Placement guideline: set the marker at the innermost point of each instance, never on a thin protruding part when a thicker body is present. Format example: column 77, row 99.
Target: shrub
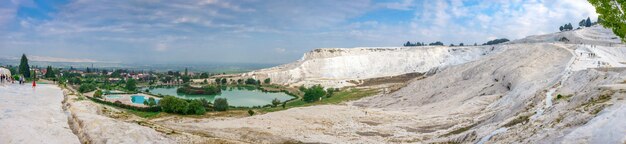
column 251, row 81
column 250, row 112
column 275, row 102
column 151, row 102
column 87, row 87
column 329, row 92
column 314, row 93
column 98, row 94
column 172, row 104
column 196, row 107
column 205, row 103
column 496, row 41
column 220, row 104
column 131, row 85
column 267, row 81
column 206, row 90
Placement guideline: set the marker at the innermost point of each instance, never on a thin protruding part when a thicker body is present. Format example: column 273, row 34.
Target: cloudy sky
column 262, row 31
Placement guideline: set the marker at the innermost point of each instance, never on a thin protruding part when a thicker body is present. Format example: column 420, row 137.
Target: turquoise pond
column 236, row 96
column 139, row 99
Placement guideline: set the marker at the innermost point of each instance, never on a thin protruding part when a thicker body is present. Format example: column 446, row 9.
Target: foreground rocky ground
column 33, row 115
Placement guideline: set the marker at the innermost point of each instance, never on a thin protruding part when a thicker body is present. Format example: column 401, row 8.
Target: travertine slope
column 334, row 67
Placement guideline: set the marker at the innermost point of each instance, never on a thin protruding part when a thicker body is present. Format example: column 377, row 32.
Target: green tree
column 329, row 92
column 588, row 22
column 275, row 102
column 24, row 68
column 251, row 81
column 86, row 87
column 131, row 85
column 267, row 81
column 98, row 94
column 151, row 102
column 612, row 13
column 220, row 104
column 250, row 112
column 217, row 80
column 224, row 80
column 49, row 72
column 172, row 104
column 186, row 79
column 561, row 28
column 581, row 23
column 204, row 75
column 314, row 93
column 196, row 107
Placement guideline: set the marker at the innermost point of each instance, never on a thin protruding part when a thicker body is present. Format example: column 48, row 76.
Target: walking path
column 33, row 115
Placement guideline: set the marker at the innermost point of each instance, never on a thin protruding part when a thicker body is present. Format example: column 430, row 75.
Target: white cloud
column 160, row 47
column 402, row 5
column 266, row 27
column 280, row 50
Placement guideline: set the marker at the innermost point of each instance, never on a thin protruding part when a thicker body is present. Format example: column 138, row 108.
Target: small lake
column 139, row 99
column 237, row 96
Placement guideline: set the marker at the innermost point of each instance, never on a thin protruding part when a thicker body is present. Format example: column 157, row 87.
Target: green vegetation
column 220, row 104
column 150, row 102
column 131, row 85
column 143, row 113
column 87, row 87
column 172, row 104
column 24, row 68
column 49, row 72
column 314, row 93
column 338, row 97
column 250, row 112
column 566, row 27
column 496, row 41
column 97, row 94
column 275, row 102
column 267, row 81
column 329, row 92
column 611, row 15
column 585, row 23
column 224, row 81
column 196, row 107
column 129, row 107
column 437, row 43
column 251, row 81
column 205, row 90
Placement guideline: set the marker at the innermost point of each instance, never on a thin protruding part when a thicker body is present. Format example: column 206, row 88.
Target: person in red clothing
column 34, row 84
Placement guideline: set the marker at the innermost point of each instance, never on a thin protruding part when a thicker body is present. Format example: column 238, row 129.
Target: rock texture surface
column 33, row 115
column 92, row 126
column 335, row 67
column 533, row 90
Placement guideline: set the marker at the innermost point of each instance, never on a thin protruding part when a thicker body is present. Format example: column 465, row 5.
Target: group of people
column 8, row 79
